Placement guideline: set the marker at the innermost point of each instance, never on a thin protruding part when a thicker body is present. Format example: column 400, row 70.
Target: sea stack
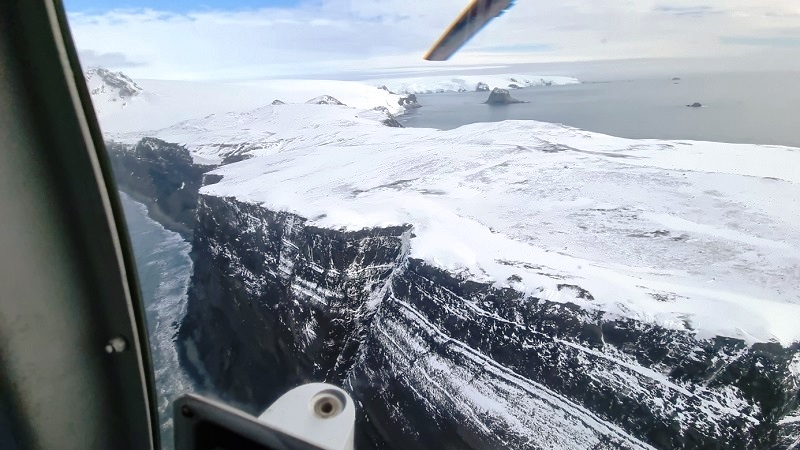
column 501, row 97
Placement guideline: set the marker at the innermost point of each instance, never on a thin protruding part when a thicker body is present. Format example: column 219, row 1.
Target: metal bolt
column 116, row 345
column 327, row 405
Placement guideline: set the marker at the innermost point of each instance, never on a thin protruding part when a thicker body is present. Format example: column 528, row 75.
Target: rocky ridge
column 501, row 97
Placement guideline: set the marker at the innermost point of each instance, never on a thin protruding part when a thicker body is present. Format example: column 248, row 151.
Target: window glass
column 580, row 231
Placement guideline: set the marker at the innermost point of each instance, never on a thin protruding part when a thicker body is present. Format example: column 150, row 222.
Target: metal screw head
column 116, row 345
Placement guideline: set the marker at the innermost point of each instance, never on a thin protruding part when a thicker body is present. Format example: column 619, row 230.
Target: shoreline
column 164, row 270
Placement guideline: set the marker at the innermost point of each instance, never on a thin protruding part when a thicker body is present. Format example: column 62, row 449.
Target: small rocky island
column 501, row 97
column 409, row 102
column 695, row 105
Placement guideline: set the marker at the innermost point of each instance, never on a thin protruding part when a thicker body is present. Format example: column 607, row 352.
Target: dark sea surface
column 755, row 108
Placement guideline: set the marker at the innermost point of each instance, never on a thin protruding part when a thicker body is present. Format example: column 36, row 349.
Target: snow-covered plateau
column 689, row 235
column 501, row 285
column 469, row 83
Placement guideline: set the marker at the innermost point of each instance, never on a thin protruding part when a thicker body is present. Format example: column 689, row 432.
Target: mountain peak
column 114, row 85
column 324, row 100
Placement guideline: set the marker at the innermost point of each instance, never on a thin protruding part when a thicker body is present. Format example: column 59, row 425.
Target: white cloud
column 112, row 59
column 346, row 35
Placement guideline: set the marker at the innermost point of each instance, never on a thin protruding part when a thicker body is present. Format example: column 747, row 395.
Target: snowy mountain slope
column 325, row 100
column 460, row 83
column 110, row 91
column 215, row 137
column 161, row 103
column 652, row 229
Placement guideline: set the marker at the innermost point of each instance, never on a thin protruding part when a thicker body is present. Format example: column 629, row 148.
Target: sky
column 255, row 39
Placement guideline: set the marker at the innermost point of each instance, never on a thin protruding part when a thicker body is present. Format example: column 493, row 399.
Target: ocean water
column 755, row 108
column 164, row 267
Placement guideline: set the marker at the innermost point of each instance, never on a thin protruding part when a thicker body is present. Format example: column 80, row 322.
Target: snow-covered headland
column 469, row 83
column 530, row 282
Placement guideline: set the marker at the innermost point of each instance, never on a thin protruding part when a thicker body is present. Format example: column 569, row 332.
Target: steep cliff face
column 275, row 303
column 436, row 360
column 162, row 176
column 505, row 366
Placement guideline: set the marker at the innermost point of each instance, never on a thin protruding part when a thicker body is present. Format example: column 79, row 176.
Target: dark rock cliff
column 501, row 97
column 290, row 308
column 409, row 102
column 436, row 361
column 390, row 120
column 163, row 177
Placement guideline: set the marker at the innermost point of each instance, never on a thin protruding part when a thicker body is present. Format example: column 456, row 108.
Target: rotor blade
column 474, row 17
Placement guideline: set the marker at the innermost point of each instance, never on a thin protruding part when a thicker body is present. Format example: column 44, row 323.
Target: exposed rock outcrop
column 409, row 102
column 390, row 120
column 325, row 100
column 501, row 97
column 102, row 80
column 162, row 176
